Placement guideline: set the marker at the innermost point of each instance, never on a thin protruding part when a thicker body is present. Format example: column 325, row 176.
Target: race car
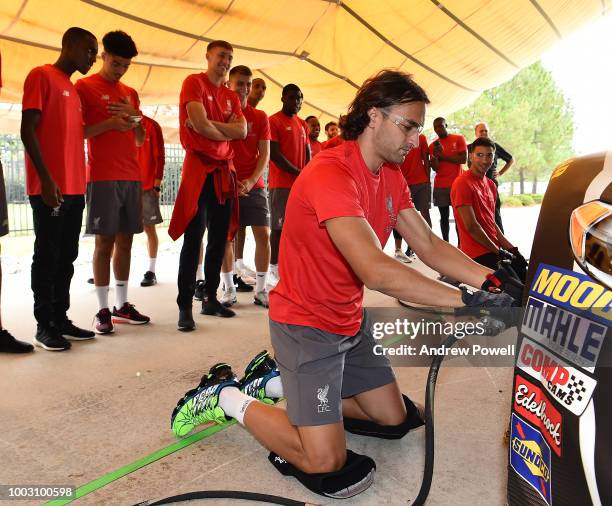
column 560, row 447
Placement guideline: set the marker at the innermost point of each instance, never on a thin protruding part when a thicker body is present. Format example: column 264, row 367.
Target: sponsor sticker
column 574, row 291
column 530, row 456
column 533, row 405
column 573, row 337
column 566, row 384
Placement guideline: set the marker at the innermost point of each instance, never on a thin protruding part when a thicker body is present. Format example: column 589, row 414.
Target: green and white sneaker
column 259, row 371
column 201, row 404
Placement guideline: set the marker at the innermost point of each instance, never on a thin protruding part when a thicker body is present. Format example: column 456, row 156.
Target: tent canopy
column 455, row 49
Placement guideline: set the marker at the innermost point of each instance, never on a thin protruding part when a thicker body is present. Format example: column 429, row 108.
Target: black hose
column 225, row 494
column 429, row 424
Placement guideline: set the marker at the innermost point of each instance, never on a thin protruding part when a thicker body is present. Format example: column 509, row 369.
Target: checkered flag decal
column 576, row 388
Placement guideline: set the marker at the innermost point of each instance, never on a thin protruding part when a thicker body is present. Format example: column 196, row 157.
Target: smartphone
column 135, row 119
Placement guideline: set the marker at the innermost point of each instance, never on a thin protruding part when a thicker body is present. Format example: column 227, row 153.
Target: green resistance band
column 98, row 483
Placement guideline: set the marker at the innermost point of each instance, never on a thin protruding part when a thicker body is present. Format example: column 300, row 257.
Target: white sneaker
column 402, row 257
column 229, row 298
column 261, row 299
column 273, row 279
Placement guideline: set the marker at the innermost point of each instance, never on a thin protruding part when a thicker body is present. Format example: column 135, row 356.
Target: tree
column 530, row 117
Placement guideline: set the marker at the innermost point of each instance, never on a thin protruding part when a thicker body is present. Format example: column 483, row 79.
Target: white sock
column 102, row 294
column 234, row 403
column 239, row 264
column 152, row 264
column 227, row 278
column 273, row 269
column 121, row 289
column 200, row 273
column 274, row 387
column 260, row 281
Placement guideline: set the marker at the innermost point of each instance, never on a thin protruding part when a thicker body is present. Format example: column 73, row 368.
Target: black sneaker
column 199, row 289
column 8, row 344
column 49, row 338
column 213, row 307
column 241, row 286
column 70, row 331
column 185, row 321
column 149, row 279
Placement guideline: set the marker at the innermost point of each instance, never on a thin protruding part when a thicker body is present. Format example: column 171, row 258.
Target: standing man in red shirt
column 151, row 158
column 313, row 135
column 251, row 157
column 341, row 209
column 448, row 152
column 52, row 134
column 258, row 92
column 416, row 171
column 114, row 189
column 289, row 153
column 210, row 118
column 473, row 197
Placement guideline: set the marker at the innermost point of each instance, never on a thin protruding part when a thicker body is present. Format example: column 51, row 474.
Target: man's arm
column 50, row 193
column 502, row 154
column 307, row 153
column 503, row 240
column 198, row 120
column 474, row 229
column 235, row 128
column 436, row 253
column 360, row 247
column 458, row 158
column 113, row 123
column 279, row 159
column 264, row 157
column 506, row 167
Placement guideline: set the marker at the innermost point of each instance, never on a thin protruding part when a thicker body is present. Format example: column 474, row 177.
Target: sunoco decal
column 533, row 405
column 574, row 291
column 573, row 337
column 530, row 456
column 567, row 385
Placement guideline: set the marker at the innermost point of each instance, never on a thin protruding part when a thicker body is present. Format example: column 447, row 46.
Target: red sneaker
column 128, row 314
column 103, row 323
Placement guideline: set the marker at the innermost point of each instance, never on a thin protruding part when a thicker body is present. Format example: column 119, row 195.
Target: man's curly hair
column 385, row 89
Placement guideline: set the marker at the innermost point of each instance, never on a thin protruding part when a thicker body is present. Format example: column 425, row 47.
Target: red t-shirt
column 59, row 132
column 151, row 155
column 246, row 151
column 480, row 193
column 112, row 156
column 291, row 133
column 315, row 147
column 413, row 167
column 219, row 102
column 317, row 287
column 452, row 144
column 333, row 142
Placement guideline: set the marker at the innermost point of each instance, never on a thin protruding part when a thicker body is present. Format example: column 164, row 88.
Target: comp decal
column 566, row 384
column 573, row 291
column 533, row 405
column 530, row 457
column 575, row 338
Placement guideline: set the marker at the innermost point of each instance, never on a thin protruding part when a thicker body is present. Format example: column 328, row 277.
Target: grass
column 521, row 200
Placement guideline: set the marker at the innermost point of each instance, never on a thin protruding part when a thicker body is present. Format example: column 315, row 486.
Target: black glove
column 502, row 279
column 504, row 254
column 499, row 306
column 519, row 264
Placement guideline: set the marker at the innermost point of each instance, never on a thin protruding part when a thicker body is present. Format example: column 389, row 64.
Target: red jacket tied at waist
column 196, row 167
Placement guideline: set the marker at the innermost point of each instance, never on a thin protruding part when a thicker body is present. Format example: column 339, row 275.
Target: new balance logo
column 66, row 93
column 253, row 387
column 279, row 460
column 96, row 222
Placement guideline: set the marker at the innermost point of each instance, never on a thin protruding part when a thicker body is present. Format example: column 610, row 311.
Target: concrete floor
column 68, row 418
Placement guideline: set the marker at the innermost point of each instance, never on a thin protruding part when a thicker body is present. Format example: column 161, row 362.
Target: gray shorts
column 318, row 369
column 4, row 225
column 254, row 210
column 421, row 195
column 441, row 197
column 151, row 213
column 114, row 207
column 278, row 203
